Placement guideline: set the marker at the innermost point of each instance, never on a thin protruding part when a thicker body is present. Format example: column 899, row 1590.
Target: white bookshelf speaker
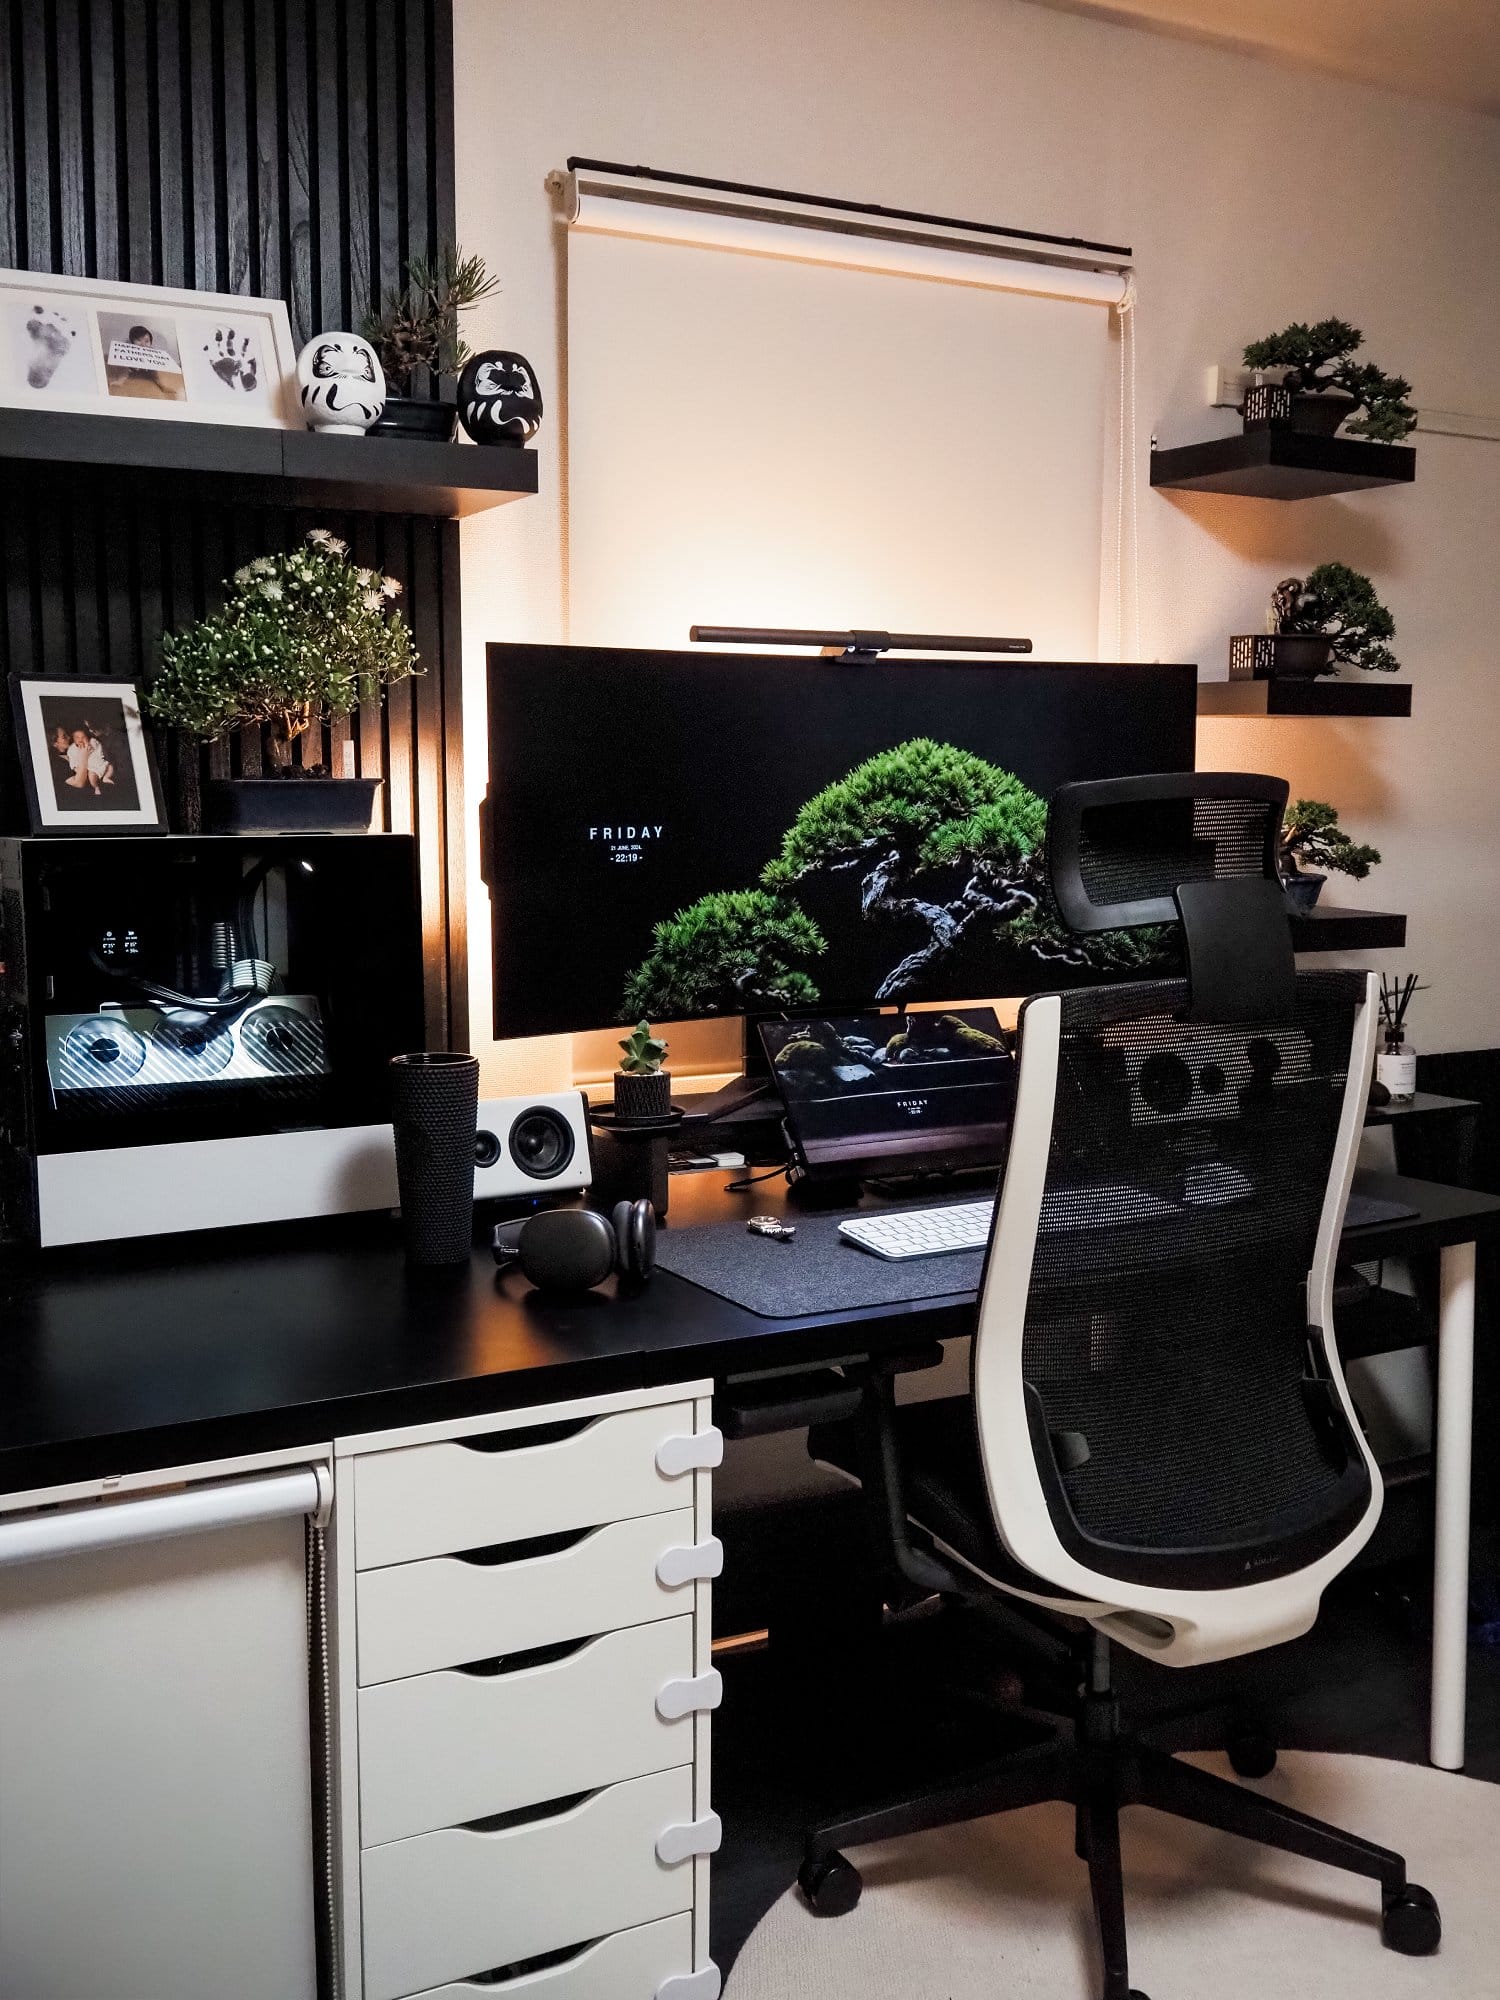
column 537, row 1145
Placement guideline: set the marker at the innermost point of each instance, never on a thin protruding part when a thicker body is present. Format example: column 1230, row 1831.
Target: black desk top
column 120, row 1359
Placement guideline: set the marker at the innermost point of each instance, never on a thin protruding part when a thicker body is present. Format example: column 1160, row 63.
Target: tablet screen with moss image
column 863, row 1087
column 736, row 835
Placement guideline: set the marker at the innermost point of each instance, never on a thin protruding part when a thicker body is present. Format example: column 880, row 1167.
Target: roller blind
column 773, row 439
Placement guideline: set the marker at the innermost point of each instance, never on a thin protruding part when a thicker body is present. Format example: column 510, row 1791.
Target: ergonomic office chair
column 1159, row 1445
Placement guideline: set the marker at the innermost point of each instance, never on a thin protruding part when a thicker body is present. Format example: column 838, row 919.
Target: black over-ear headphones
column 570, row 1249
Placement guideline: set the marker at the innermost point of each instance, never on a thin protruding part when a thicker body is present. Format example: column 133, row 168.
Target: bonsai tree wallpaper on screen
column 795, row 832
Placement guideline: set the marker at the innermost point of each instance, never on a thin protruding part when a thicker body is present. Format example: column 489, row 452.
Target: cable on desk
column 753, row 1180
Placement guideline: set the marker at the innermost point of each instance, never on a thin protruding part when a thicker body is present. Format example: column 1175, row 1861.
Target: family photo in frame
column 85, row 756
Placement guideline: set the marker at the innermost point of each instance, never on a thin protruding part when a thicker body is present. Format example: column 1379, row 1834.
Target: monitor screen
column 863, row 1091
column 680, row 835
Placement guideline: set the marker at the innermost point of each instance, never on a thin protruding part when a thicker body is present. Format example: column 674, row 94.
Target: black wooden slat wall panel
column 296, row 149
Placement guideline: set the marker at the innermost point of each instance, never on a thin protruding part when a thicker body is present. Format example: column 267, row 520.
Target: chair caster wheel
column 1410, row 1923
column 831, row 1886
column 1251, row 1755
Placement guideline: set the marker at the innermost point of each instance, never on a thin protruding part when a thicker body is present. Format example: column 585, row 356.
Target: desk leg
column 1452, row 1450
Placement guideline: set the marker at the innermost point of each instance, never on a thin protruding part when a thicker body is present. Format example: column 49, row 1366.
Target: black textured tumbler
column 435, row 1112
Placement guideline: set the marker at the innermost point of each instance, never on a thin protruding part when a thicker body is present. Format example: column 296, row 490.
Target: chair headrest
column 1195, row 848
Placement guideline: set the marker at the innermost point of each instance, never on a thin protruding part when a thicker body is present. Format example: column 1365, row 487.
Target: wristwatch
column 772, row 1226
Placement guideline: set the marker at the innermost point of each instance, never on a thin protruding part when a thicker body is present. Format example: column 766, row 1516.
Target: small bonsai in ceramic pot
column 1328, row 619
column 1327, row 386
column 303, row 636
column 415, row 335
column 1310, row 833
column 643, row 1089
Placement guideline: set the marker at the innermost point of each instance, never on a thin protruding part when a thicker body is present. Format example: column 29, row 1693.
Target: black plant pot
column 1303, row 890
column 1321, row 414
column 1299, row 656
column 640, row 1100
column 289, row 805
column 415, row 417
column 435, row 1116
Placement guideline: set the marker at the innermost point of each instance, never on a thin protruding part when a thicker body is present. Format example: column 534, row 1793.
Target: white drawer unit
column 438, row 1905
column 642, row 1964
column 524, row 1687
column 440, row 1748
column 415, row 1617
column 430, row 1500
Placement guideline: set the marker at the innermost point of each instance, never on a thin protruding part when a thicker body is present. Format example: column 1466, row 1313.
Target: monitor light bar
column 851, row 645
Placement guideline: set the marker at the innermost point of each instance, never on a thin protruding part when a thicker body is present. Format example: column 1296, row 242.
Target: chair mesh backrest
column 1165, row 1341
column 1130, row 852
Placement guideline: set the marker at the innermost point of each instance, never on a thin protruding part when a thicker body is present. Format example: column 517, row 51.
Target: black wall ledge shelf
column 1333, row 929
column 378, row 475
column 1282, row 465
column 1304, row 697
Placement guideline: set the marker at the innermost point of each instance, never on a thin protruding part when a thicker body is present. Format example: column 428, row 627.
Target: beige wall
column 1252, row 193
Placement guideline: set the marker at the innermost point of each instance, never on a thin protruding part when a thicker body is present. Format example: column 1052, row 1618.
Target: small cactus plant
column 643, row 1090
column 642, row 1054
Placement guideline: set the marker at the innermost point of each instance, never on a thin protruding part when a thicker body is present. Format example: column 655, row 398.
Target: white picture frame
column 86, row 758
column 87, row 346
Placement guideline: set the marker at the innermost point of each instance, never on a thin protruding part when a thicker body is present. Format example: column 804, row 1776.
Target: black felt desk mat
column 817, row 1272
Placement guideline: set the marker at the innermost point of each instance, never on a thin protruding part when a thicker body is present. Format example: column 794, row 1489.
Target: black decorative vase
column 641, row 1100
column 435, row 1114
column 414, row 417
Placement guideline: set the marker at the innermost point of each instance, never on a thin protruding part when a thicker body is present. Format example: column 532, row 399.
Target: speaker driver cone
column 541, row 1143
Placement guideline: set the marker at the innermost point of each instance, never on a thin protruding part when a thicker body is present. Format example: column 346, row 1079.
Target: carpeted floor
column 1001, row 1907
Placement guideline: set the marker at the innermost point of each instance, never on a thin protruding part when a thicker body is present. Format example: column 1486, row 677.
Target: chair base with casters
column 1097, row 1769
column 922, row 1483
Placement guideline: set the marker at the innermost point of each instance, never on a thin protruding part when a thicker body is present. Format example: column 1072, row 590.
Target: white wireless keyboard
column 922, row 1232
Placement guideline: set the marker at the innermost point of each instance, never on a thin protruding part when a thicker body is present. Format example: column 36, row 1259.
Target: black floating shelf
column 1347, row 930
column 1299, row 697
column 1283, row 465
column 379, row 475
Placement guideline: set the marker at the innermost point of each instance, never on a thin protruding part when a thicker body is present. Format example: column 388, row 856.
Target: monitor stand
column 753, row 1094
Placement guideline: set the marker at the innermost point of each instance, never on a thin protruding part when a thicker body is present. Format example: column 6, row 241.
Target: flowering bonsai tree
column 1339, row 604
column 303, row 635
column 1320, row 358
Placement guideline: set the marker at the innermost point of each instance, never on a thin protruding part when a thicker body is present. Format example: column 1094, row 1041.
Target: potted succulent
column 302, row 636
column 1331, row 619
column 1326, row 386
column 643, row 1089
column 1310, row 832
column 416, row 331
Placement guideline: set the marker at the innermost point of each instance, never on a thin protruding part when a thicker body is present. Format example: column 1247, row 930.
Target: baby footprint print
column 231, row 358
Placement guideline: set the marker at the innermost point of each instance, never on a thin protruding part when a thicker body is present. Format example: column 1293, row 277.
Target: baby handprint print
column 231, row 358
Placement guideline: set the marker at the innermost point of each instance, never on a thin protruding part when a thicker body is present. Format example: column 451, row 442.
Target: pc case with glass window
column 195, row 1031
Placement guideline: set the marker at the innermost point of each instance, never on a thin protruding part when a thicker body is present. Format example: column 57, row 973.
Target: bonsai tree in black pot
column 1326, row 385
column 643, row 1089
column 1310, row 833
column 416, row 333
column 303, row 636
column 1328, row 619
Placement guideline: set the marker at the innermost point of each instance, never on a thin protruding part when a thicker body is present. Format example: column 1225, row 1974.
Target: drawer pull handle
column 702, row 1985
column 691, row 1837
column 699, row 1452
column 680, row 1698
column 675, row 1567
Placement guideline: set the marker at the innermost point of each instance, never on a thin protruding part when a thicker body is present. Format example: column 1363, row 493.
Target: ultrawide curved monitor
column 680, row 835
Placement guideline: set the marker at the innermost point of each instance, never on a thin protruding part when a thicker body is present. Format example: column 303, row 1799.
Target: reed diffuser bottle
column 1396, row 1064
